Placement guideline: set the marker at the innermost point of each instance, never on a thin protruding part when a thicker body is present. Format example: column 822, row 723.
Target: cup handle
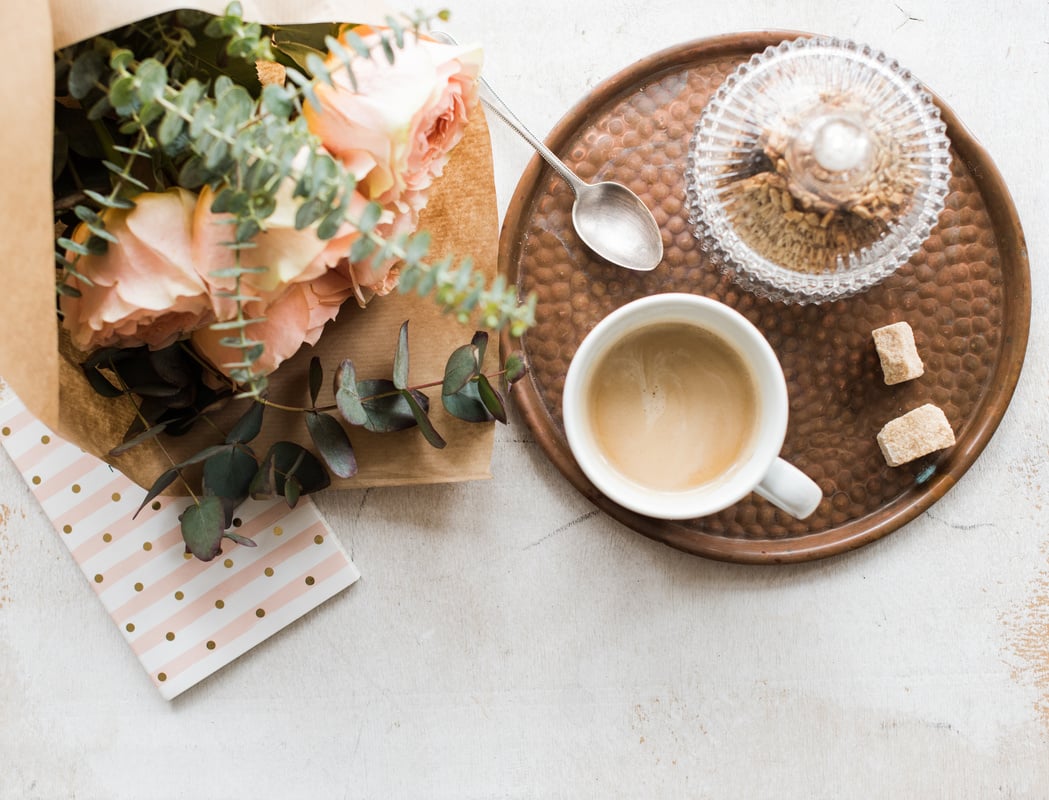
column 788, row 488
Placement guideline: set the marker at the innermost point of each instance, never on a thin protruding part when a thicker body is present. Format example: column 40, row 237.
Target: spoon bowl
column 614, row 223
column 609, row 218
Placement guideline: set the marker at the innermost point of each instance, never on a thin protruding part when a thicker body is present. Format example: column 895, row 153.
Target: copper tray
column 967, row 295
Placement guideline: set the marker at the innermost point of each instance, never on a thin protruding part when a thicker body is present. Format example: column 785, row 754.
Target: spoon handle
column 501, row 110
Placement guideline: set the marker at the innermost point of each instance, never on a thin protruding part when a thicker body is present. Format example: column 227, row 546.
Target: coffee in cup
column 675, row 406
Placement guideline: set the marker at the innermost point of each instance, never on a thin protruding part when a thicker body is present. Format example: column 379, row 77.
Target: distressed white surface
column 508, row 641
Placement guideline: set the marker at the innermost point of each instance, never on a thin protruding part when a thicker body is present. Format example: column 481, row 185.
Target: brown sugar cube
column 899, row 358
column 917, row 433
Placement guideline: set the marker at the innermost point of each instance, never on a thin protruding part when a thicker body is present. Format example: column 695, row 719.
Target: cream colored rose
column 145, row 288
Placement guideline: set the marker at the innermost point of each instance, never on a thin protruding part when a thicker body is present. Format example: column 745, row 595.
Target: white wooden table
column 507, row 640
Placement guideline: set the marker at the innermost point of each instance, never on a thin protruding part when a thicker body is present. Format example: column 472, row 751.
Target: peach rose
column 295, row 318
column 290, row 256
column 405, row 117
column 146, row 289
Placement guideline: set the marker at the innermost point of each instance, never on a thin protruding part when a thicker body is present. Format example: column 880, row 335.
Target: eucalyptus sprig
column 174, row 101
column 231, row 471
column 245, row 147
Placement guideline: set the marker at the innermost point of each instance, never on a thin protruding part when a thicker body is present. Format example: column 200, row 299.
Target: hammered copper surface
column 966, row 294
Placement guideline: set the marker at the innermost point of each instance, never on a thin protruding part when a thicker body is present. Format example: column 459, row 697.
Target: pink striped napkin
column 184, row 619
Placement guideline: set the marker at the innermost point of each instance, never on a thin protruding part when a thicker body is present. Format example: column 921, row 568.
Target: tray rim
column 983, row 422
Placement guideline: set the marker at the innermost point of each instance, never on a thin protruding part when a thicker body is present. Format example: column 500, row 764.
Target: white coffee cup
column 757, row 467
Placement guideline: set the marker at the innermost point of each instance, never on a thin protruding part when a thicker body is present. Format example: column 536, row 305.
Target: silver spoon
column 609, row 218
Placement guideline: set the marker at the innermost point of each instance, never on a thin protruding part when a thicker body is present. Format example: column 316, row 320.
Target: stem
column 379, row 396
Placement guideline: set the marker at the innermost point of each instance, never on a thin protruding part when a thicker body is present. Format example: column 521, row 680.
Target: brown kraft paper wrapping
column 461, row 216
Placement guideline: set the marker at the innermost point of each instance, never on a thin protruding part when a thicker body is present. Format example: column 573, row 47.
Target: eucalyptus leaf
column 417, row 248
column 466, row 404
column 332, row 443
column 236, row 538
column 202, row 527
column 277, row 101
column 85, row 73
column 370, row 217
column 159, row 485
column 292, row 491
column 361, row 249
column 286, row 459
column 480, row 341
column 248, row 426
column 109, row 202
column 228, row 474
column 100, row 383
column 400, row 358
column 152, row 79
column 515, row 367
column 423, row 420
column 122, row 94
column 316, row 379
column 387, row 410
column 173, row 366
column 150, row 433
column 347, row 396
column 491, row 398
column 461, row 367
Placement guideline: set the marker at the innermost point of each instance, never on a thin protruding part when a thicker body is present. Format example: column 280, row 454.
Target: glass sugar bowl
column 817, row 169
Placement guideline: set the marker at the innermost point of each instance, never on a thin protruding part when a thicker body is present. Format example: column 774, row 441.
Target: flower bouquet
column 222, row 191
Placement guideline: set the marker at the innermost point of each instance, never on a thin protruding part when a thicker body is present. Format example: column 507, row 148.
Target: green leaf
column 170, row 129
column 120, row 57
column 515, row 367
column 361, row 248
column 330, row 224
column 150, row 433
column 387, row 410
column 491, row 398
column 85, row 214
column 423, row 420
column 400, row 358
column 480, row 341
column 347, row 397
column 236, row 538
column 370, row 217
column 292, row 490
column 173, row 366
column 159, row 485
column 86, row 73
column 73, row 247
column 461, row 367
column 277, row 101
column 316, row 67
column 202, row 527
column 332, row 443
column 357, row 44
column 417, row 248
column 248, row 426
column 100, row 383
column 286, row 459
column 109, row 202
column 203, row 455
column 228, row 475
column 152, row 78
column 466, row 404
column 308, row 213
column 316, row 379
column 122, row 93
